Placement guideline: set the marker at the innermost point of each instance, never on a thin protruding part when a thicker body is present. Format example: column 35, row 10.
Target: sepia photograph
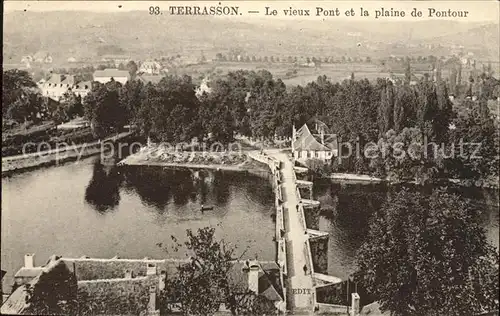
column 250, row 158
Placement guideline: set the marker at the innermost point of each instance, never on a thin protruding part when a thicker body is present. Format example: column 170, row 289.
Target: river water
column 347, row 209
column 89, row 209
column 86, row 208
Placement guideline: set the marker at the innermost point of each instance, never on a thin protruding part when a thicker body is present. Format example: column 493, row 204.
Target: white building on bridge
column 315, row 144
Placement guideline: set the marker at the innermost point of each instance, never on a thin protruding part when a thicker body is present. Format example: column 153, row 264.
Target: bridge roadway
column 300, row 291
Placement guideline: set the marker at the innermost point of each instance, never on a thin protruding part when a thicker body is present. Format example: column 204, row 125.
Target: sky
column 479, row 10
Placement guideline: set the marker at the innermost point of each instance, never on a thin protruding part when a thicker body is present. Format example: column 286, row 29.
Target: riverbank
column 355, row 177
column 13, row 164
column 492, row 183
column 154, row 156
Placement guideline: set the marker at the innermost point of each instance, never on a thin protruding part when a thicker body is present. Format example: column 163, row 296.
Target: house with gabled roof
column 315, row 142
column 58, row 84
column 119, row 286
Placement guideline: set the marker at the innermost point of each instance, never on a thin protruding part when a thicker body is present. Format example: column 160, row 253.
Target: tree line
column 257, row 105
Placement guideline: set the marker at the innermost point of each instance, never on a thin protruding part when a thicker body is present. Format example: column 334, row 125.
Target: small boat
column 206, row 208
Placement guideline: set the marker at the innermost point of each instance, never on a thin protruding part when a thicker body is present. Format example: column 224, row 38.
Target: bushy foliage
column 204, row 283
column 428, row 255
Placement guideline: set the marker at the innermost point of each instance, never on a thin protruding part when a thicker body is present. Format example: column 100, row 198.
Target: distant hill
column 80, row 34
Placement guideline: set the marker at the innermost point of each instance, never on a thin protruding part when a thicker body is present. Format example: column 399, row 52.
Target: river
column 89, row 209
column 347, row 209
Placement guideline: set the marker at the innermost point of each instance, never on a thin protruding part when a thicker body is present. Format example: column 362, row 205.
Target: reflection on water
column 88, row 208
column 347, row 209
column 103, row 189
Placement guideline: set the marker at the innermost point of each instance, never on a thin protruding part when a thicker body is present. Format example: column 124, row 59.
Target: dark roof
column 55, row 78
column 69, row 80
column 95, row 268
column 57, row 270
column 268, row 279
column 116, row 297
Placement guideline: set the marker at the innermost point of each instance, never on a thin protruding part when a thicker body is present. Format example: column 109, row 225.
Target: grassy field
column 290, row 74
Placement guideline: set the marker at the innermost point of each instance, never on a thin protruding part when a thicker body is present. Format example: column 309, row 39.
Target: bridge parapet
column 304, row 184
column 300, row 169
column 307, row 203
column 313, row 233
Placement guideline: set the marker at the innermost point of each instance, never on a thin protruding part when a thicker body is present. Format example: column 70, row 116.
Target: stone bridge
column 299, row 278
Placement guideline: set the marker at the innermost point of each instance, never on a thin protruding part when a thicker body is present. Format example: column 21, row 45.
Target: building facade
column 307, row 145
column 104, row 76
column 58, row 84
column 116, row 59
column 150, row 67
column 131, row 286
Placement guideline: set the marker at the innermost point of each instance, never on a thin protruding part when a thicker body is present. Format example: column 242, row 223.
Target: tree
column 434, row 110
column 428, row 255
column 479, row 157
column 72, row 104
column 53, row 293
column 17, row 85
column 407, row 71
column 202, row 284
column 265, row 104
column 131, row 97
column 26, row 108
column 169, row 111
column 403, row 156
column 103, row 109
column 453, row 81
column 216, row 112
column 386, row 108
column 132, row 69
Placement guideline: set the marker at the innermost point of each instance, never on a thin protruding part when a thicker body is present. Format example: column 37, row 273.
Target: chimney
column 253, row 276
column 162, row 280
column 129, row 274
column 152, row 299
column 151, row 269
column 29, row 260
column 322, row 134
column 354, row 304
